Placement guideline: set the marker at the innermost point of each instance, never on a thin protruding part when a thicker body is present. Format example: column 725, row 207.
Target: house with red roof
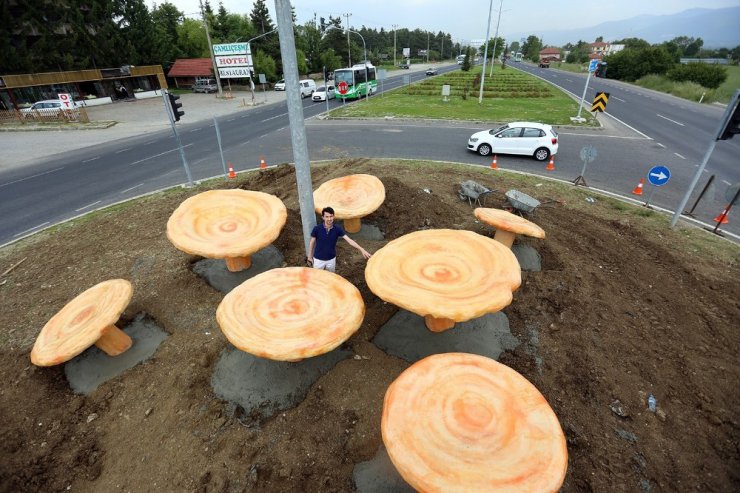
column 550, row 55
column 187, row 71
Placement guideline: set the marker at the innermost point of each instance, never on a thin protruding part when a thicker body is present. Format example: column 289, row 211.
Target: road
column 76, row 182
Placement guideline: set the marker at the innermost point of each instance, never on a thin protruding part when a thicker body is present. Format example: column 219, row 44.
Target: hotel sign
column 233, row 60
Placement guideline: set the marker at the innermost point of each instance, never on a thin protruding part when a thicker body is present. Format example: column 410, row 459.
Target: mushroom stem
column 438, row 324
column 114, row 341
column 236, row 264
column 504, row 237
column 352, row 225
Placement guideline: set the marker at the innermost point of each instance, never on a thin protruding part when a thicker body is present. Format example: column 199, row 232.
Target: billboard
column 233, row 60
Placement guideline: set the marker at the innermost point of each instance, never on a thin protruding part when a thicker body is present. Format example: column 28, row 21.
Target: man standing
column 322, row 249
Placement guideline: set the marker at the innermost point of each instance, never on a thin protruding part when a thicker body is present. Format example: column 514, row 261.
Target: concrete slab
column 406, row 337
column 216, row 274
column 262, row 386
column 368, row 232
column 93, row 367
column 529, row 258
column 379, row 475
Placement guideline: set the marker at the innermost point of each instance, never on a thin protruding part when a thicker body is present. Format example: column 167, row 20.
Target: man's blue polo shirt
column 326, row 241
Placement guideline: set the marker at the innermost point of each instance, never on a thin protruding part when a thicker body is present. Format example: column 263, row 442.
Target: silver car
column 322, row 92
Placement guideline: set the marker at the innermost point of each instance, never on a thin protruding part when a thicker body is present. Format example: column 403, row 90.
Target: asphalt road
column 76, row 182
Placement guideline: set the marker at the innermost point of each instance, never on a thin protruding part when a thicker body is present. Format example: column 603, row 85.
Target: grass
column 509, row 95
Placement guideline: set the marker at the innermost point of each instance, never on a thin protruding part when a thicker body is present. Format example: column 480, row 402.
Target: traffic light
column 176, row 111
column 732, row 125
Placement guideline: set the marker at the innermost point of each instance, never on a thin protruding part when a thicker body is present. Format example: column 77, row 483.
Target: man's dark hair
column 327, row 209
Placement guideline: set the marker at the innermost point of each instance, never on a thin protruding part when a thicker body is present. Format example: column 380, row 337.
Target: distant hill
column 717, row 27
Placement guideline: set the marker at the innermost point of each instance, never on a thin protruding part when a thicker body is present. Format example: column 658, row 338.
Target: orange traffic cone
column 551, row 165
column 263, row 164
column 494, row 165
column 232, row 175
column 722, row 218
column 638, row 188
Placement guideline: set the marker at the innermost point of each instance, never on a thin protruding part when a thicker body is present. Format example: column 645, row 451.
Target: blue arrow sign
column 592, row 65
column 659, row 175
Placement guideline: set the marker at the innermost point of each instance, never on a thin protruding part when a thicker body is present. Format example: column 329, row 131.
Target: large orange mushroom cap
column 462, row 422
column 226, row 223
column 291, row 313
column 352, row 197
column 83, row 322
column 446, row 274
column 508, row 225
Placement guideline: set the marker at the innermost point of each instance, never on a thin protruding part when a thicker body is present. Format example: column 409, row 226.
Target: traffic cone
column 232, row 175
column 722, row 218
column 263, row 164
column 638, row 188
column 551, row 165
column 494, row 165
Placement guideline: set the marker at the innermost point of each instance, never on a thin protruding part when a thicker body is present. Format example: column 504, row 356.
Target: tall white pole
column 349, row 49
column 427, row 47
column 395, row 26
column 485, row 54
column 495, row 37
column 210, row 49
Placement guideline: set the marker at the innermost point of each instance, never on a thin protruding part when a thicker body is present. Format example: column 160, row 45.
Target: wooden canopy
column 352, row 197
column 291, row 313
column 457, row 422
column 444, row 275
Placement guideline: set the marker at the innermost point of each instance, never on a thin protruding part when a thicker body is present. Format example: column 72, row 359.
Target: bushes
column 631, row 64
column 711, row 76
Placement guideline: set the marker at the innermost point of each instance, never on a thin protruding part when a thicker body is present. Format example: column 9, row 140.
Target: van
column 205, row 85
column 308, row 86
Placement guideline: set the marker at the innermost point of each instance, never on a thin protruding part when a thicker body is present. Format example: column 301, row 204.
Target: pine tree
column 262, row 23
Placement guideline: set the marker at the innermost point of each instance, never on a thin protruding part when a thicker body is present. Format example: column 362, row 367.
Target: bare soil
column 624, row 307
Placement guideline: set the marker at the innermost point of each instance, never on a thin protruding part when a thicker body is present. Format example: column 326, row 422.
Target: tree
column 710, row 76
column 191, row 39
column 531, row 48
column 632, row 43
column 466, row 62
column 514, row 47
column 500, row 45
column 262, row 23
column 631, row 64
column 330, row 60
column 265, row 64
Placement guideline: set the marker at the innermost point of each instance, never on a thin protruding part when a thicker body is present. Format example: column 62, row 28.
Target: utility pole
column 210, row 49
column 442, row 49
column 427, row 47
column 495, row 36
column 485, row 54
column 349, row 49
column 394, row 44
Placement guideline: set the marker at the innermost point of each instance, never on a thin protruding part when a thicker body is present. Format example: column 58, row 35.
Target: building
column 597, row 50
column 550, row 55
column 187, row 71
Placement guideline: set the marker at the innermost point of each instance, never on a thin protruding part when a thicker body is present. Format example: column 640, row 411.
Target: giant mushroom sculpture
column 464, row 422
column 227, row 224
column 291, row 313
column 444, row 275
column 352, row 197
column 86, row 320
column 508, row 225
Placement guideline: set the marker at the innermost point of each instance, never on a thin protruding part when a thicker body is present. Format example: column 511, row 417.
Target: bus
column 460, row 59
column 518, row 56
column 354, row 77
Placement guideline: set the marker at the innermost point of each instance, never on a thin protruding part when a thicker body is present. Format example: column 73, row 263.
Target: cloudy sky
column 466, row 19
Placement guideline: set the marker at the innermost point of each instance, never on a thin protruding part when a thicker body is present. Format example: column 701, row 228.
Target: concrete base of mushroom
column 438, row 324
column 504, row 237
column 352, row 225
column 237, row 264
column 114, row 341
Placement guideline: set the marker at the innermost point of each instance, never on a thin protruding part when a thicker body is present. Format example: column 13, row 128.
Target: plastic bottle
column 652, row 403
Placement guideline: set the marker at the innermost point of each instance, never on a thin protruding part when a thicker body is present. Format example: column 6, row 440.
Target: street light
column 364, row 62
column 249, row 41
column 485, row 54
column 394, row 44
column 495, row 36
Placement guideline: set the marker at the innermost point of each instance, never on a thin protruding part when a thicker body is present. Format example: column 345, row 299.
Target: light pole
column 495, row 36
column 210, row 49
column 251, row 78
column 364, row 52
column 427, row 47
column 349, row 49
column 394, row 44
column 485, row 54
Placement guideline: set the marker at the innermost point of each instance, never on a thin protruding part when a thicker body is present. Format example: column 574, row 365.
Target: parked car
column 280, row 85
column 47, row 108
column 404, row 65
column 205, row 86
column 431, row 71
column 308, row 87
column 525, row 138
column 323, row 92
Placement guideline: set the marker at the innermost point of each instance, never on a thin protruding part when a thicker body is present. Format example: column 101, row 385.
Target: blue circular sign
column 659, row 175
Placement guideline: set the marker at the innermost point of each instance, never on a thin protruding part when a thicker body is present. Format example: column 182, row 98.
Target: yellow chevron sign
column 600, row 101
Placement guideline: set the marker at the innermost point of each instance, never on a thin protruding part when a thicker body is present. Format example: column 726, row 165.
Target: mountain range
column 718, row 28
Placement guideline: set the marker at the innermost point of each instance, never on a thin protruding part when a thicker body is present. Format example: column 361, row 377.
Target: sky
column 467, row 19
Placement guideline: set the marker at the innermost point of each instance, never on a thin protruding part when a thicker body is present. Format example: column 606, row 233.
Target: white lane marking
column 672, row 121
column 32, row 176
column 31, row 229
column 157, row 155
column 661, row 145
column 273, row 117
column 618, row 99
column 91, row 159
column 677, row 154
column 231, row 119
column 123, row 150
column 87, row 206
column 195, row 129
column 727, row 183
column 569, row 80
column 150, row 142
column 129, row 189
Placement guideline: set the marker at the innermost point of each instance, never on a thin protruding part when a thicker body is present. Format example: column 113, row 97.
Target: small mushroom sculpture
column 463, row 422
column 444, row 275
column 352, row 197
column 291, row 313
column 86, row 320
column 228, row 224
column 508, row 225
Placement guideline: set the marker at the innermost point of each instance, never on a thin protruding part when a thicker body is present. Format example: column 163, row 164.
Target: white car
column 525, row 138
column 322, row 92
column 280, row 85
column 48, row 108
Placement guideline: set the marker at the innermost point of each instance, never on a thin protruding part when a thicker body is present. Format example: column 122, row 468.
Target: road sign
column 659, row 175
column 342, row 87
column 588, row 153
column 592, row 65
column 600, row 101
